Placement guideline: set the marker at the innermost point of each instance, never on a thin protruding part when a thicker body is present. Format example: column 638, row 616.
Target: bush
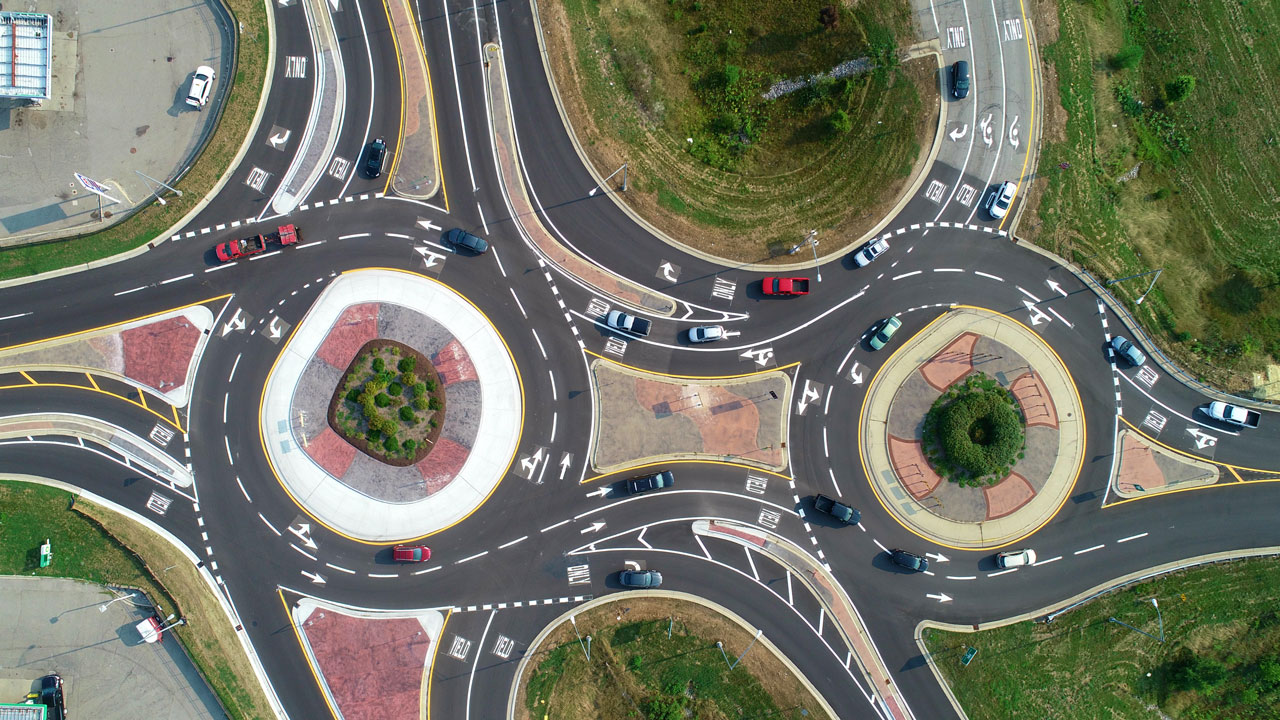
column 839, row 123
column 379, row 365
column 430, row 385
column 433, row 422
column 353, row 395
column 1197, row 672
column 369, row 409
column 408, row 379
column 395, row 389
column 409, row 445
column 385, row 377
column 382, row 400
column 434, row 403
column 407, row 364
column 421, row 403
column 406, row 414
column 373, row 435
column 1180, row 88
column 419, row 389
column 1128, row 58
column 390, row 445
column 974, row 431
column 388, row 426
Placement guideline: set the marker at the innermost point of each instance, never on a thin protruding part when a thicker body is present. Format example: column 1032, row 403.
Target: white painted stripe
column 513, row 542
column 356, row 235
column 471, row 557
column 1132, row 537
column 339, row 568
column 987, row 275
column 905, row 275
column 126, row 292
column 1046, row 562
column 948, row 269
column 1090, row 549
column 1002, row 572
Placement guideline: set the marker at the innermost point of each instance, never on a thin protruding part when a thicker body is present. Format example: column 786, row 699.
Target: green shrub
column 409, row 445
column 974, row 431
column 434, row 403
column 382, row 400
column 390, row 445
column 421, row 403
column 394, row 350
column 1180, row 88
column 407, row 364
column 419, row 389
column 408, row 379
column 370, row 409
column 430, row 385
column 1128, row 58
column 839, row 123
column 353, row 395
column 385, row 377
column 379, row 364
column 394, row 389
column 433, row 423
column 406, row 414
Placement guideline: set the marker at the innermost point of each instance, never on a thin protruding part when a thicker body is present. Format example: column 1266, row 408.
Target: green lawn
column 1205, row 206
column 674, row 89
column 1220, row 658
column 148, row 224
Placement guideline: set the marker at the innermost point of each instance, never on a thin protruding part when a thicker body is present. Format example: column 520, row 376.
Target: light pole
column 103, row 607
column 622, row 170
column 1158, row 617
column 157, row 194
column 1153, row 284
column 1155, row 272
column 734, row 664
column 586, row 648
column 812, row 241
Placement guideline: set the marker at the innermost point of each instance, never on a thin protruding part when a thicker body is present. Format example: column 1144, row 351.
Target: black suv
column 960, row 79
column 656, row 481
column 377, row 153
column 909, row 560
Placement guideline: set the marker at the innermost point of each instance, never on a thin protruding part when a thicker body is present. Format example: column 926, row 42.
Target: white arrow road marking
column 303, row 531
column 279, row 140
column 631, row 565
column 565, row 462
column 1037, row 315
column 236, row 323
column 854, row 375
column 1203, row 439
column 809, row 395
column 599, row 492
column 316, row 578
column 428, row 256
column 940, row 597
column 667, row 268
column 1013, row 132
column 986, row 130
column 1056, row 287
column 272, row 331
column 593, row 527
column 531, row 463
column 426, row 224
column 938, row 556
column 959, row 132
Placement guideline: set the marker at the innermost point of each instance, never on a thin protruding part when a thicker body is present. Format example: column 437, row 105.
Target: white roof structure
column 26, row 55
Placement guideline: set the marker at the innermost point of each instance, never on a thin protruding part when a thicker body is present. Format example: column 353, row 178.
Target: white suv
column 201, row 84
column 1001, row 199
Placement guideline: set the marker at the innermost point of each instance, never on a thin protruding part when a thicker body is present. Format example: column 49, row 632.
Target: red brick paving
column 728, row 530
column 727, row 423
column 158, row 354
column 1012, row 493
column 951, row 363
column 356, row 326
column 442, row 464
column 1034, row 397
column 374, row 668
column 331, row 452
column 911, row 467
column 453, row 364
column 1138, row 466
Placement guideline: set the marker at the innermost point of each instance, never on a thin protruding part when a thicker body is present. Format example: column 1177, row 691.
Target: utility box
column 46, row 553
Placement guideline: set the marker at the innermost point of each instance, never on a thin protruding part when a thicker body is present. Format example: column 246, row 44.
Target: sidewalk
column 817, row 577
column 416, row 173
column 1017, row 506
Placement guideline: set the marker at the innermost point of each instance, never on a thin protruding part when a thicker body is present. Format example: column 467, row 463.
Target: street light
column 1156, row 272
column 1153, row 284
column 103, row 607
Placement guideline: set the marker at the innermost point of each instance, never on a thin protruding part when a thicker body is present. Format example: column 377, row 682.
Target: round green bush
column 382, row 400
column 974, row 432
column 431, row 385
column 390, row 445
column 409, row 379
column 434, row 403
column 395, row 389
column 420, row 403
column 379, row 364
column 406, row 414
column 419, row 389
column 409, row 445
column 353, row 394
column 407, row 364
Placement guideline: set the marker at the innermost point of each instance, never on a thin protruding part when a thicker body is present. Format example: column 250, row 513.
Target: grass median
column 1162, row 153
column 1220, row 658
column 240, row 105
column 676, row 90
column 95, row 544
column 637, row 670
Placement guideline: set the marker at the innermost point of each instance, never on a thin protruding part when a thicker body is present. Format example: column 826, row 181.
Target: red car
column 785, row 286
column 254, row 244
column 411, row 553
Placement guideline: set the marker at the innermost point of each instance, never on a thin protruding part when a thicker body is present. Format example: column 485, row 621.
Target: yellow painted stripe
column 302, row 647
column 634, row 468
column 92, row 382
column 24, row 374
column 1197, row 457
column 395, row 43
column 435, row 650
column 1233, row 472
column 130, row 401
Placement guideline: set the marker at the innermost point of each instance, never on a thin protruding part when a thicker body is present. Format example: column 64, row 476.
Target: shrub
column 432, row 422
column 1197, row 673
column 839, row 123
column 419, row 389
column 421, row 403
column 974, row 431
column 409, row 445
column 373, row 435
column 353, row 395
column 390, row 445
column 434, row 403
column 1128, row 58
column 385, row 377
column 369, row 409
column 395, row 389
column 1180, row 88
column 430, row 385
column 382, row 400
column 395, row 350
column 406, row 414
column 407, row 364
column 388, row 426
column 409, row 379
column 379, row 364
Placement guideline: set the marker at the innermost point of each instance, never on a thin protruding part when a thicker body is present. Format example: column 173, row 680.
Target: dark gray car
column 960, row 79
column 373, row 161
column 462, row 239
column 909, row 560
column 640, row 578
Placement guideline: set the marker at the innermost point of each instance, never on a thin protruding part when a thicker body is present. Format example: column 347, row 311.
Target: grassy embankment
column 1220, row 658
column 147, row 224
column 94, row 544
column 637, row 671
column 1205, row 205
column 674, row 89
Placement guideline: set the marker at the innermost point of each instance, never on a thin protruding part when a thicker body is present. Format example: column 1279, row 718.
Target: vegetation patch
column 974, row 432
column 657, row 659
column 95, row 544
column 390, row 403
column 1189, row 95
column 249, row 20
column 1220, row 658
column 677, row 90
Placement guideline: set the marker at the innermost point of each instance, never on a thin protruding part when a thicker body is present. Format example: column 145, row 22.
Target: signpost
column 968, row 656
column 96, row 188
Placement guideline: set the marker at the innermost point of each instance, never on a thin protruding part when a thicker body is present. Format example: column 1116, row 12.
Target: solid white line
column 10, row 317
column 517, row 297
column 268, row 524
column 471, row 557
column 126, row 292
column 1132, row 537
column 1002, row 572
column 234, row 365
column 339, row 568
column 430, row 569
column 752, row 562
column 399, row 235
column 226, row 397
column 383, row 575
column 827, row 404
column 962, row 577
column 267, row 255
column 466, row 147
column 833, row 482
column 948, row 269
column 822, row 619
column 228, row 444
column 555, row 417
column 825, row 451
column 1024, row 292
column 513, row 542
column 1055, row 314
column 987, row 275
column 1175, row 412
column 223, row 266
column 1046, row 562
column 472, row 676
column 243, row 491
column 905, row 275
column 704, row 547
column 349, row 237
column 840, row 370
column 790, row 597
column 553, row 527
column 554, row 394
column 482, row 220
column 494, row 250
column 540, row 348
column 313, row 243
column 1095, row 547
column 304, row 552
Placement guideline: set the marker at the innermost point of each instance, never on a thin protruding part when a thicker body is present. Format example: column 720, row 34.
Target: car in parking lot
column 960, row 79
column 640, row 578
column 411, row 553
column 870, row 252
column 1128, row 351
column 706, row 333
column 887, row 328
column 374, row 157
column 460, row 238
column 201, row 84
column 654, row 481
column 999, row 202
column 909, row 560
column 1016, row 558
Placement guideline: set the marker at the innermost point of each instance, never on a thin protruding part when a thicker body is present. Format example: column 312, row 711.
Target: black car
column 459, row 238
column 376, row 154
column 837, row 509
column 640, row 578
column 960, row 79
column 51, row 696
column 656, row 481
column 909, row 560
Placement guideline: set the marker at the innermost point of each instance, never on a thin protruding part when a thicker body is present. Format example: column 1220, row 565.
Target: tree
column 829, row 16
column 839, row 123
column 1181, row 87
column 1128, row 58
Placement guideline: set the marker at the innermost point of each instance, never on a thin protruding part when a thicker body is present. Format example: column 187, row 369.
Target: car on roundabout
column 377, row 154
column 706, row 333
column 458, row 238
column 909, row 560
column 653, row 481
column 836, row 509
column 411, row 553
column 999, row 202
column 1128, row 351
column 869, row 252
column 884, row 332
column 640, row 578
column 1016, row 558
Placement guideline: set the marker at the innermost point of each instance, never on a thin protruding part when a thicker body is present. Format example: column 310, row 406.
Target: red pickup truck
column 785, row 286
column 254, row 244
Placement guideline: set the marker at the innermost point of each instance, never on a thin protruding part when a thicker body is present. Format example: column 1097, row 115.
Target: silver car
column 1128, row 351
column 1016, row 558
column 706, row 333
column 1001, row 199
column 870, row 252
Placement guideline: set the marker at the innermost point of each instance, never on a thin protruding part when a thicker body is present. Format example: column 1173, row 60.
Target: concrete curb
column 126, row 443
column 223, row 600
column 912, row 53
column 1074, row 601
column 670, row 594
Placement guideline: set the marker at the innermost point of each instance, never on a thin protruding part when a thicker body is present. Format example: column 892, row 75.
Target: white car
column 706, row 333
column 201, row 84
column 870, row 252
column 1016, row 558
column 1001, row 199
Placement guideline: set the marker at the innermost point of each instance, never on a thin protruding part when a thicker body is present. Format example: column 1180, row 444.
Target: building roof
column 26, row 56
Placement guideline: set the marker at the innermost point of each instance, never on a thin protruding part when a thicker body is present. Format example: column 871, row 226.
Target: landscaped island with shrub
column 390, row 403
column 974, row 433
